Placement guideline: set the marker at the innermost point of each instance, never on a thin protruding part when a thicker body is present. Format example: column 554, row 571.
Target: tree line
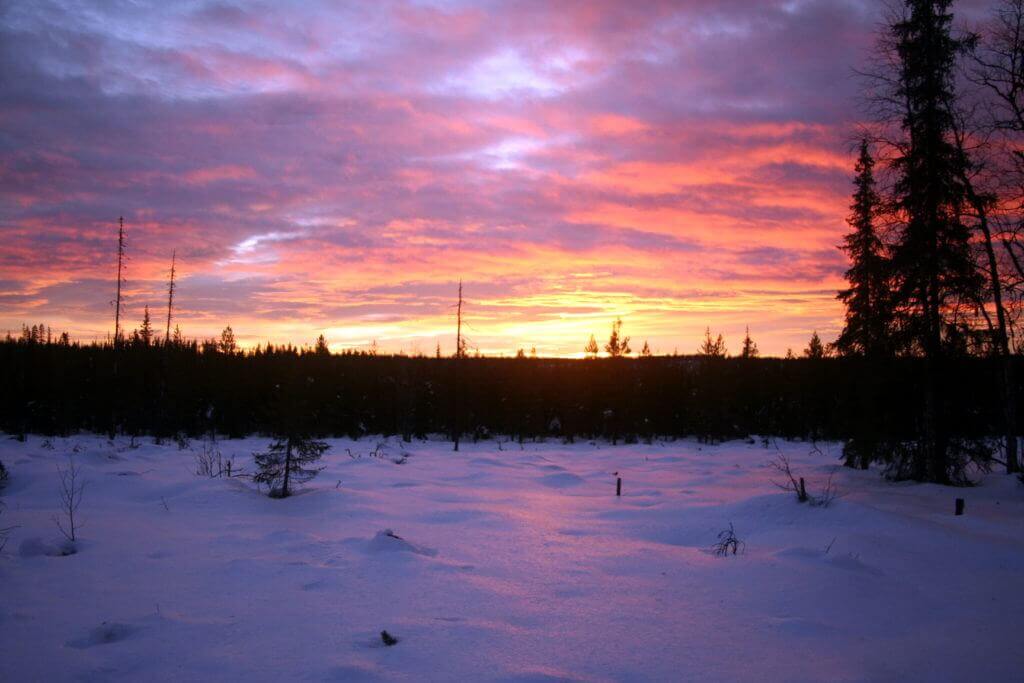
column 193, row 389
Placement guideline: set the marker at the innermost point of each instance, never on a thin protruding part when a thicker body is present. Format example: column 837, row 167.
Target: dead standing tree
column 170, row 300
column 455, row 370
column 120, row 280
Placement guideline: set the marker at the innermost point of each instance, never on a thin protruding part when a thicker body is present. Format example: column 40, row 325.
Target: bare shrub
column 71, row 488
column 728, row 543
column 792, row 483
column 211, row 463
column 798, row 486
column 828, row 494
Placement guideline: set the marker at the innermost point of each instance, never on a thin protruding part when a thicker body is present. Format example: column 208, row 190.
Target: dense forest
column 192, row 390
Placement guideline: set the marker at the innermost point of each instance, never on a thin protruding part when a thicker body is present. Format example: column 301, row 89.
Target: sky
column 336, row 169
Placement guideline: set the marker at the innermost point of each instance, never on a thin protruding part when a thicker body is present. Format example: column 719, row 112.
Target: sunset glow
column 335, row 169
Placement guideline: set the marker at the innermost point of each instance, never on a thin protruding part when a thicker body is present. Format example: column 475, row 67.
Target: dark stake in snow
column 287, row 462
column 959, row 507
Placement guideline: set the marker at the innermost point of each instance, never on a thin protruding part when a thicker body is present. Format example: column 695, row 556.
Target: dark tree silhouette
column 227, row 342
column 120, row 280
column 712, row 348
column 591, row 349
column 815, row 349
column 321, row 346
column 617, row 345
column 749, row 348
column 869, row 318
column 288, row 461
column 170, row 299
column 146, row 331
column 937, row 287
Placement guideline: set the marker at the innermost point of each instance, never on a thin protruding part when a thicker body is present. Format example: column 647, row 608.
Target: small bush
column 728, row 543
column 209, row 462
column 797, row 485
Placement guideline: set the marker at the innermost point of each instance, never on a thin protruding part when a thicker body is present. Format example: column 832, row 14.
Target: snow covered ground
column 512, row 565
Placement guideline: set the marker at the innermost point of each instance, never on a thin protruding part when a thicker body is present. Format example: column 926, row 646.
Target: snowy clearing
column 504, row 565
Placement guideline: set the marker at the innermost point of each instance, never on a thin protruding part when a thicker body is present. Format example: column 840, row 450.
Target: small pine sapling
column 286, row 462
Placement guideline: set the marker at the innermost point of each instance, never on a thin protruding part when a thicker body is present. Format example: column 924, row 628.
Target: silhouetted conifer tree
column 288, row 461
column 321, row 346
column 749, row 348
column 712, row 348
column 934, row 269
column 815, row 349
column 227, row 342
column 869, row 317
column 617, row 345
column 146, row 331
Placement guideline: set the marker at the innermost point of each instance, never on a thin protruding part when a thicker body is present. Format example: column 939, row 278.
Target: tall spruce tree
column 931, row 258
column 869, row 321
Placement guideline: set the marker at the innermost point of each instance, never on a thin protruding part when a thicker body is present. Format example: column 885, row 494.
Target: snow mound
column 387, row 541
column 561, row 480
column 104, row 634
column 37, row 547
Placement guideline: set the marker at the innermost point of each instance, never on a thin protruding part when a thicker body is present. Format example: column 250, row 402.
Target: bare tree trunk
column 287, row 467
column 170, row 300
column 455, row 371
column 1002, row 338
column 120, row 267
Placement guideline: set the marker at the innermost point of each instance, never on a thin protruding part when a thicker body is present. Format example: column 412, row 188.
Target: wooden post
column 618, row 486
column 803, row 491
column 959, row 506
